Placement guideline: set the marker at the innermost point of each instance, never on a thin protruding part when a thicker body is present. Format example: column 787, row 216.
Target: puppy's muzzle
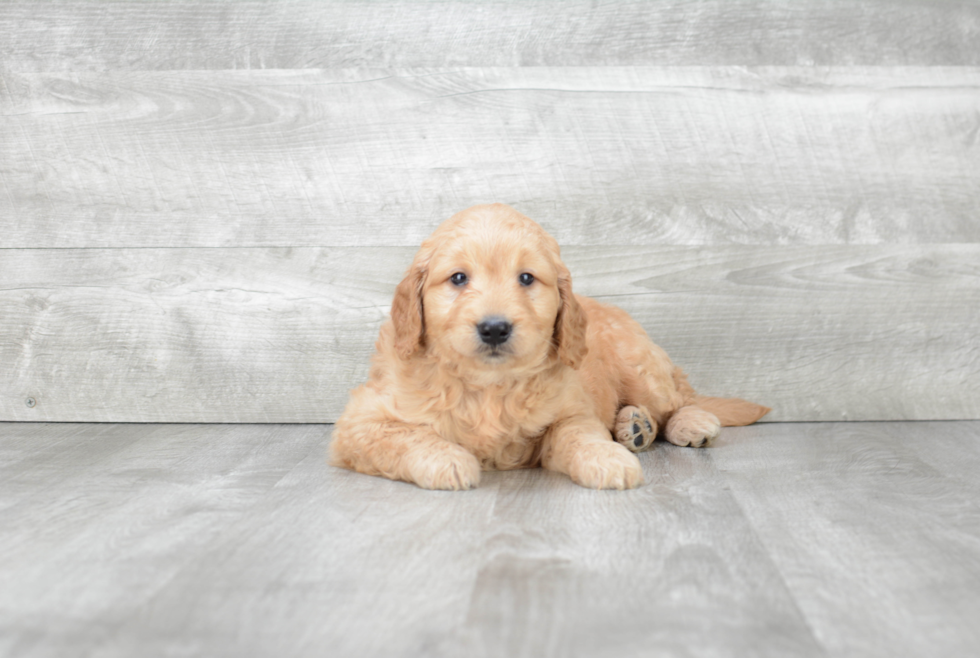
column 495, row 331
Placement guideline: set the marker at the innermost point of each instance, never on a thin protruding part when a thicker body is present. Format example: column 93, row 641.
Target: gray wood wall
column 205, row 206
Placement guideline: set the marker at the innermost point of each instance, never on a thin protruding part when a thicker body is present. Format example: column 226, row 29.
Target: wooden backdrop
column 205, row 207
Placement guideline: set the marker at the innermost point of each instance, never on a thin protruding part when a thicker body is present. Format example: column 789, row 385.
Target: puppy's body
column 490, row 361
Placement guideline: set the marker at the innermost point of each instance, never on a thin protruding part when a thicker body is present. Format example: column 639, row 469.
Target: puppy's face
column 488, row 290
column 491, row 295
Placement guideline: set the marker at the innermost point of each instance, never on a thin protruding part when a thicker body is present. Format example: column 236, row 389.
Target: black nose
column 494, row 331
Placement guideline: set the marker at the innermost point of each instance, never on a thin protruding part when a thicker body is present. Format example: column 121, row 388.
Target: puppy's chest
column 502, row 428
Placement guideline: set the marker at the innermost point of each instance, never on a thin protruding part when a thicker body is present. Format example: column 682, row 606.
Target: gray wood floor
column 842, row 539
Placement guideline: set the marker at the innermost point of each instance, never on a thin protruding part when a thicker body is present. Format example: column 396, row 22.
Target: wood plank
column 281, row 335
column 228, row 540
column 600, row 156
column 669, row 569
column 953, row 449
column 78, row 35
column 333, row 562
column 93, row 525
column 26, row 445
column 818, row 333
column 226, row 335
column 880, row 549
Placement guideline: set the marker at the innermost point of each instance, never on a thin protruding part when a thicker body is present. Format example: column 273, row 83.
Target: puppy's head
column 488, row 290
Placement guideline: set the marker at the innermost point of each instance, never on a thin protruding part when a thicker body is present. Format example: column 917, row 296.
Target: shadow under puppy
column 489, row 361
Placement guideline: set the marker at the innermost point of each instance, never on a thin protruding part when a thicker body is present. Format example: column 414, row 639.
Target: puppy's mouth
column 495, row 353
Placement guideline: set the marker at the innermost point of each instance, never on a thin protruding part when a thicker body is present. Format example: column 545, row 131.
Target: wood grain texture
column 152, row 335
column 666, row 570
column 329, row 563
column 834, row 539
column 281, row 335
column 868, row 521
column 84, row 36
column 97, row 519
column 825, row 333
column 600, row 156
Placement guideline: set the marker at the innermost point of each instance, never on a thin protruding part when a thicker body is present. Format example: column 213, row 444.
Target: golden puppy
column 490, row 362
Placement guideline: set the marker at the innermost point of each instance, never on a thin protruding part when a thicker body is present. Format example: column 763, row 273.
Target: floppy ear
column 407, row 314
column 570, row 324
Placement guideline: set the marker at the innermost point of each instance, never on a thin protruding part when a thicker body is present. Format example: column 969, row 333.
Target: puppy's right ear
column 407, row 314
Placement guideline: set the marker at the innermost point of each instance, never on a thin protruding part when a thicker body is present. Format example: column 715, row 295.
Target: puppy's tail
column 732, row 412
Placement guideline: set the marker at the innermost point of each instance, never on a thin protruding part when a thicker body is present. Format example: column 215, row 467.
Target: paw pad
column 634, row 429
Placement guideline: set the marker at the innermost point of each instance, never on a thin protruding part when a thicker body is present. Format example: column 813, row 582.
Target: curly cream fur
column 439, row 406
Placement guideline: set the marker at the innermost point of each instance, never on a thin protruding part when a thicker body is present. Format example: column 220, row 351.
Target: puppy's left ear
column 407, row 313
column 570, row 325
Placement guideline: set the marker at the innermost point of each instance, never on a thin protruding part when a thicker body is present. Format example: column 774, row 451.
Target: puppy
column 489, row 361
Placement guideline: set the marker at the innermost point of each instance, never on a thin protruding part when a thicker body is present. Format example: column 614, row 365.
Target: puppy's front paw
column 634, row 428
column 605, row 465
column 692, row 426
column 444, row 466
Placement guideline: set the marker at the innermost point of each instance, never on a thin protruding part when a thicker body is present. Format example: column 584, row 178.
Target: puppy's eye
column 458, row 279
column 526, row 279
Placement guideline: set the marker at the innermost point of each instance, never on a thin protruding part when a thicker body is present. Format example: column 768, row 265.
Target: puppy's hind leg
column 692, row 426
column 635, row 429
